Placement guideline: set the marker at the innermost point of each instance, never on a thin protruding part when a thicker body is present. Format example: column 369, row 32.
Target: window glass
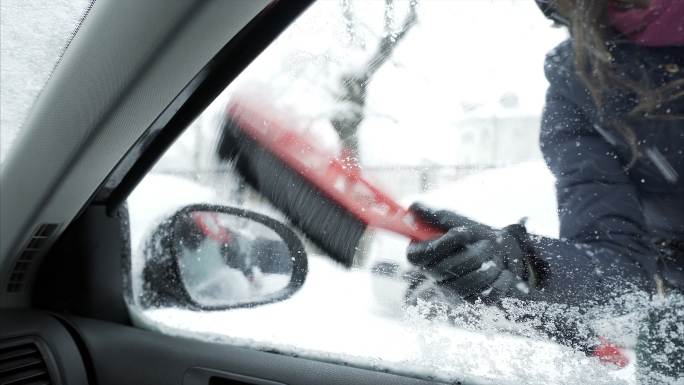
column 561, row 256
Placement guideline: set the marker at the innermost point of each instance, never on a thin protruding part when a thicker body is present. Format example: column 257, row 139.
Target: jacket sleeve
column 603, row 248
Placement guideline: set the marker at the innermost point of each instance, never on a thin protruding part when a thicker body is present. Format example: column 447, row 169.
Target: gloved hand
column 474, row 260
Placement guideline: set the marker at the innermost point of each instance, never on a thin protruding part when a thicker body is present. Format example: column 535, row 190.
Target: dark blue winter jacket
column 619, row 226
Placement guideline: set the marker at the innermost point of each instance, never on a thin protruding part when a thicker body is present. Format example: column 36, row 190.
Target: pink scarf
column 661, row 24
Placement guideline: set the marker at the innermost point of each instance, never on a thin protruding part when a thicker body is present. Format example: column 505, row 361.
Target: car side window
column 284, row 217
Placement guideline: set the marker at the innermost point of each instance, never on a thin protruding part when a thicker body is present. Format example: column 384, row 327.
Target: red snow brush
column 326, row 197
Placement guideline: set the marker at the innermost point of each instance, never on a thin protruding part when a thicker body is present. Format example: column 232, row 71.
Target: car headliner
column 119, row 73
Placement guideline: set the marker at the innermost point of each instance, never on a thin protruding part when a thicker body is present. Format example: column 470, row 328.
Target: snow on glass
column 427, row 102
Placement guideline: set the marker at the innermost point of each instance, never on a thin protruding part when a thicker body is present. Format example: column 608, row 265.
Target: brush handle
column 409, row 225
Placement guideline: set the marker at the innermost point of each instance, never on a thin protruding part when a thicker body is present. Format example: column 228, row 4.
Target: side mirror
column 212, row 257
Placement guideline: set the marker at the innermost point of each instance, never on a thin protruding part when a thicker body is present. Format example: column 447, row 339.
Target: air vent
column 36, row 244
column 21, row 363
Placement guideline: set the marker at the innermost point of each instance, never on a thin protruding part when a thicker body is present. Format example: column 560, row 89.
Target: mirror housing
column 212, row 257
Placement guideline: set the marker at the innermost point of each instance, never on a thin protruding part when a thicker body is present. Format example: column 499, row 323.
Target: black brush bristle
column 327, row 224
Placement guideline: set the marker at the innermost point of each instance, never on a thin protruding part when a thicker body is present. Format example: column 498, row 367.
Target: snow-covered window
column 358, row 110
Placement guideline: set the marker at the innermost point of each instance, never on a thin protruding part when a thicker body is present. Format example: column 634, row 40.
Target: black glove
column 474, row 260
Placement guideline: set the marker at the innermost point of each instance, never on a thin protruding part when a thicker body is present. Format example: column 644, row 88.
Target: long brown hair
column 594, row 65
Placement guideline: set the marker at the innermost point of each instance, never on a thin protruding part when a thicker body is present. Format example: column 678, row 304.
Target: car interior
column 340, row 192
column 133, row 76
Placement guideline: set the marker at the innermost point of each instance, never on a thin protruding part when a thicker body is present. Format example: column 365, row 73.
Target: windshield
column 34, row 35
column 481, row 197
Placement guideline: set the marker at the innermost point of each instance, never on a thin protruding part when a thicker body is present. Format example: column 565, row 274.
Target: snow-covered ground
column 501, row 196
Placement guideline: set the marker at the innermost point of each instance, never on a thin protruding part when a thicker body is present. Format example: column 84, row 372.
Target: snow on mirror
column 215, row 257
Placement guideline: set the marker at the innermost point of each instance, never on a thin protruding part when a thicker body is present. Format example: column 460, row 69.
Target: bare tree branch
column 389, row 16
column 391, row 40
column 350, row 24
column 353, row 86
